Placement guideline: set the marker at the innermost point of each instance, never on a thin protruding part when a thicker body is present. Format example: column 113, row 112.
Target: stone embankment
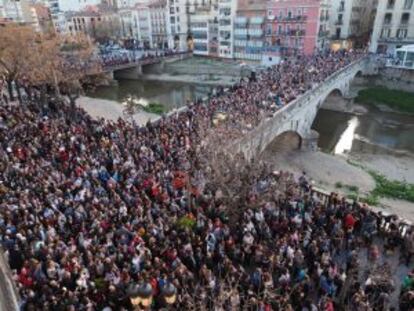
column 9, row 300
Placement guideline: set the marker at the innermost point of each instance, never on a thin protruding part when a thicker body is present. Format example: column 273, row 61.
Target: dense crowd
column 88, row 207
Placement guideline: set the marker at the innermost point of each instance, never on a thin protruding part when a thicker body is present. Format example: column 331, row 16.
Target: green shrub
column 392, row 188
column 156, row 108
column 338, row 185
column 353, row 188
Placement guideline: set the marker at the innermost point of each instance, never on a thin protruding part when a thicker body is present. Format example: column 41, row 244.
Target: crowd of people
column 89, row 207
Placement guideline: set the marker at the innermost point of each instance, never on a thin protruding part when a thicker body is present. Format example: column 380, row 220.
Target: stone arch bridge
column 298, row 116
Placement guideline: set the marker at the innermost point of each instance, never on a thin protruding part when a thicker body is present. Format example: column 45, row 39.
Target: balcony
column 406, row 40
column 240, row 21
column 291, row 33
column 341, row 9
column 292, row 19
column 339, row 23
column 255, row 32
column 323, row 33
column 256, row 20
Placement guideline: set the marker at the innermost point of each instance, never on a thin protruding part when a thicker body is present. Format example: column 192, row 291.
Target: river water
column 170, row 94
column 373, row 132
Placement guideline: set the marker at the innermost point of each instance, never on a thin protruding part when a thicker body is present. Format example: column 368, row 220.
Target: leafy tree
column 14, row 52
column 50, row 63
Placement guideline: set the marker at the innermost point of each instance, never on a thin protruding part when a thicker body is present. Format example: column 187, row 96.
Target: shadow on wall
column 286, row 142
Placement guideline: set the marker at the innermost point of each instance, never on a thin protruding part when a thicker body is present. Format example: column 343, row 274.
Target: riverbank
column 336, row 173
column 387, row 99
column 190, row 79
column 112, row 110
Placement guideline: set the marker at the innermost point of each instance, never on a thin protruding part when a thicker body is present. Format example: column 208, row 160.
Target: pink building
column 292, row 26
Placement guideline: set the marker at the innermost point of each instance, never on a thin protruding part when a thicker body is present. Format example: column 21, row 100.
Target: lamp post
column 140, row 295
column 169, row 293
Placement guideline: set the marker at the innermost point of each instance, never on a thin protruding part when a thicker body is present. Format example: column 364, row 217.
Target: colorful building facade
column 293, row 27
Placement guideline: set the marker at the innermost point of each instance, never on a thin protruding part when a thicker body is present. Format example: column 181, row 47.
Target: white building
column 178, row 22
column 323, row 39
column 13, row 10
column 204, row 29
column 226, row 14
column 393, row 26
column 161, row 33
column 75, row 5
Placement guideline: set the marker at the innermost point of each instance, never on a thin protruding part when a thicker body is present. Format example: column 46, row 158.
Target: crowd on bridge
column 117, row 59
column 89, row 207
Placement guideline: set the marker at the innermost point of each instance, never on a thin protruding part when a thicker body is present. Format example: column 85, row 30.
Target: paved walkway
column 112, row 110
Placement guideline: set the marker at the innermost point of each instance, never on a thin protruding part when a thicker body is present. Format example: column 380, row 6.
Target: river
column 373, row 132
column 170, row 94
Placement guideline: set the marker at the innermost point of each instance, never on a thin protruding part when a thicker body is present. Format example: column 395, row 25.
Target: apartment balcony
column 240, row 21
column 339, row 23
column 322, row 34
column 241, row 31
column 292, row 19
column 396, row 40
column 341, row 9
column 256, row 20
column 255, row 32
column 290, row 33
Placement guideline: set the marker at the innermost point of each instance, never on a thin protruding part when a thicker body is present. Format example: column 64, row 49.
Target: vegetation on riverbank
column 397, row 100
column 384, row 187
column 155, row 108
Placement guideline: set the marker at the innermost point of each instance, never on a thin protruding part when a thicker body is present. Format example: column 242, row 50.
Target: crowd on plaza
column 89, row 207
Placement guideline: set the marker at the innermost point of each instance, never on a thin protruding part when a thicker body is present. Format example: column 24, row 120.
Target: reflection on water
column 374, row 132
column 345, row 141
column 170, row 94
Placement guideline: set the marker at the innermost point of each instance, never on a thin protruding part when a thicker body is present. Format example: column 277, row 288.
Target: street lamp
column 140, row 295
column 169, row 292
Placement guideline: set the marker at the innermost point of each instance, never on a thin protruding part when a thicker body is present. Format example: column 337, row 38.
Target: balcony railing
column 406, row 40
column 323, row 33
column 292, row 19
column 292, row 33
column 339, row 23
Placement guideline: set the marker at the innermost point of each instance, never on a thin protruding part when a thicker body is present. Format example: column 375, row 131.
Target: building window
column 390, row 4
column 402, row 33
column 387, row 19
column 408, row 4
column 405, row 17
column 385, row 33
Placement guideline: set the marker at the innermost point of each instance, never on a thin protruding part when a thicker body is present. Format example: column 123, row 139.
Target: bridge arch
column 336, row 92
column 286, row 141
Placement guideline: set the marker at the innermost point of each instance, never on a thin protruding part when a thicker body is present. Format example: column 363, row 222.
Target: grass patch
column 397, row 100
column 384, row 187
column 338, row 185
column 353, row 188
column 352, row 196
column 392, row 188
column 370, row 200
column 156, row 108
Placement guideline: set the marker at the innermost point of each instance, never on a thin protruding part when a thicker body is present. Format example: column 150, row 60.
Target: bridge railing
column 143, row 61
column 9, row 297
column 403, row 225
